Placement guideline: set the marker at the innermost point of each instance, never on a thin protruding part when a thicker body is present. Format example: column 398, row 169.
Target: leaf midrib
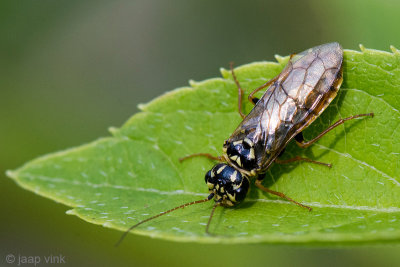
column 182, row 192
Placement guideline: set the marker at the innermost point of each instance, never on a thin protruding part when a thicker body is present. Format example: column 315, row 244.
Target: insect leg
column 207, row 155
column 282, row 75
column 298, row 137
column 279, row 194
column 303, row 144
column 298, row 158
column 240, row 92
column 253, row 99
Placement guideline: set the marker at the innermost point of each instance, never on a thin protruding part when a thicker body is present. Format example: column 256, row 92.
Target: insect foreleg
column 303, row 144
column 207, row 155
column 279, row 194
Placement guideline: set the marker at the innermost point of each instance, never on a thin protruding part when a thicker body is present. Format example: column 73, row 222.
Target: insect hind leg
column 304, row 144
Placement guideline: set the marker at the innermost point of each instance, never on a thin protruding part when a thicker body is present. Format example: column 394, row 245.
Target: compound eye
column 241, row 192
column 208, row 176
column 210, row 179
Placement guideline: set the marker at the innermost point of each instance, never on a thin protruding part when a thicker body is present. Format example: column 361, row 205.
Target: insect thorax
column 242, row 154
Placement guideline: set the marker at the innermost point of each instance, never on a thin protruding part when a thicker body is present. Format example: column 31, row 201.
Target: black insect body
column 293, row 100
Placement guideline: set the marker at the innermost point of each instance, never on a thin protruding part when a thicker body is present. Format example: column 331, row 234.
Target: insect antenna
column 165, row 212
column 211, row 215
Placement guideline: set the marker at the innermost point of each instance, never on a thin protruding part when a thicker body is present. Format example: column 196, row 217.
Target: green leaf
column 120, row 180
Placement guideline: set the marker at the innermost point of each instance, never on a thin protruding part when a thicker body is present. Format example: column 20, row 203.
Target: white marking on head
column 234, row 176
column 231, row 197
column 221, row 169
column 210, row 185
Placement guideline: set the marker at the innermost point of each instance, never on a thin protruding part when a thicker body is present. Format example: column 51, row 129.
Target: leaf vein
column 361, row 162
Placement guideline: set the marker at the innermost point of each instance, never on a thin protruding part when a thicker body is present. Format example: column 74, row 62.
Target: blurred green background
column 70, row 69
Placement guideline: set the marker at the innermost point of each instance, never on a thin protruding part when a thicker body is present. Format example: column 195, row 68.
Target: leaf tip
column 224, row 72
column 193, row 83
column 142, row 106
column 394, row 50
column 362, row 47
column 280, row 59
column 11, row 174
column 113, row 130
column 71, row 212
